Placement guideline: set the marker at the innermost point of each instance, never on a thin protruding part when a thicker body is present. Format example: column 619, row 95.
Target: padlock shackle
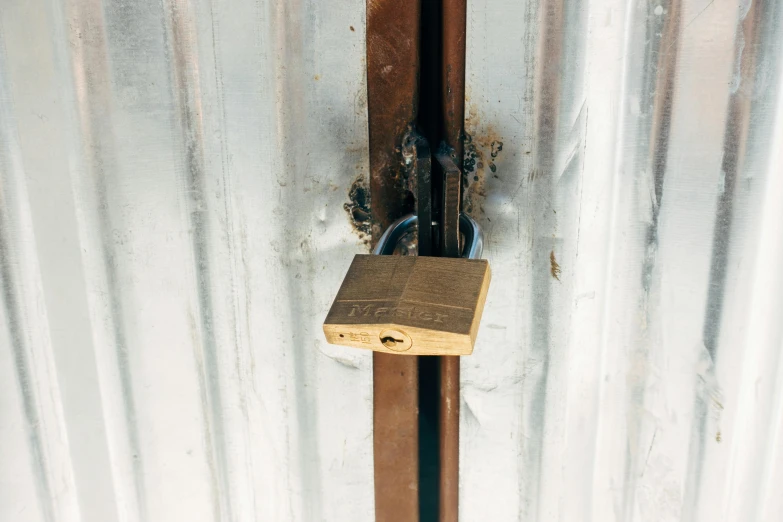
column 474, row 239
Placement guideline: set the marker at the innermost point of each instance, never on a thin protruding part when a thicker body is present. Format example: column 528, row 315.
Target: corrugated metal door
column 628, row 176
column 172, row 231
column 174, row 188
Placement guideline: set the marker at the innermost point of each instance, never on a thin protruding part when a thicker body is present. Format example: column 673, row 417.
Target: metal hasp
column 416, row 52
column 418, row 162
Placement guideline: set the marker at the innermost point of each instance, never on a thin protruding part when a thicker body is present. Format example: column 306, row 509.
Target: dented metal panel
column 627, row 174
column 172, row 230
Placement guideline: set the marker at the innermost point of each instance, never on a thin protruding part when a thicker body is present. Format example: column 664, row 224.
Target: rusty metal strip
column 453, row 67
column 396, row 437
column 449, row 214
column 453, row 93
column 392, row 86
column 418, row 160
column 448, row 486
column 449, row 439
column 392, row 103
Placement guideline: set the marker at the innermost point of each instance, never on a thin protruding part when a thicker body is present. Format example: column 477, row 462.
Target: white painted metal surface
column 172, row 181
column 641, row 153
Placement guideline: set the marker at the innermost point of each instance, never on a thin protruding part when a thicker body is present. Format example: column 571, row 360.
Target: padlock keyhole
column 395, row 340
column 391, row 342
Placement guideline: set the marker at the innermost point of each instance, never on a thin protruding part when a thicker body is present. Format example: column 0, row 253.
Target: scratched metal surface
column 629, row 363
column 172, row 231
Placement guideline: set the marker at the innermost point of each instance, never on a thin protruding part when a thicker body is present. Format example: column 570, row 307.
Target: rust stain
column 495, row 147
column 554, row 268
column 482, row 150
column 358, row 209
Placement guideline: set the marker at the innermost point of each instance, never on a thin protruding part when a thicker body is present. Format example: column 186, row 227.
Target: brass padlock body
column 411, row 305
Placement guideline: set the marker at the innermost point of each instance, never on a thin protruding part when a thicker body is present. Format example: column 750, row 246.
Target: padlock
column 412, row 305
